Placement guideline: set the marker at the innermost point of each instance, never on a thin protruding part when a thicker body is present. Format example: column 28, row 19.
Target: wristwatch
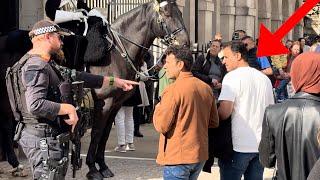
column 111, row 80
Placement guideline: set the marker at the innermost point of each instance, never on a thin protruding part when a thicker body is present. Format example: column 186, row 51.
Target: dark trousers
column 137, row 117
column 282, row 93
column 31, row 144
column 246, row 164
column 7, row 131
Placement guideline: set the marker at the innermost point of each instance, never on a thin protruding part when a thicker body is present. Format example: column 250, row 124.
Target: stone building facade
column 225, row 16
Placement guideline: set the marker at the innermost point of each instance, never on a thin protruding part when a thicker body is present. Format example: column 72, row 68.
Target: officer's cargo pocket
column 29, row 144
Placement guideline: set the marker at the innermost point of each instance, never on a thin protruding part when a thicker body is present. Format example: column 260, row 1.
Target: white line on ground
column 122, row 157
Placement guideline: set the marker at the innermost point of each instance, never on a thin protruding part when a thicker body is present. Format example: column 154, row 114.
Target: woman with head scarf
column 289, row 130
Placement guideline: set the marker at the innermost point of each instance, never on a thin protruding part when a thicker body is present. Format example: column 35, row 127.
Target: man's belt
column 41, row 130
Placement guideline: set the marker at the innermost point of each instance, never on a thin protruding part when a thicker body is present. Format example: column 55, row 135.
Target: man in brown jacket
column 186, row 111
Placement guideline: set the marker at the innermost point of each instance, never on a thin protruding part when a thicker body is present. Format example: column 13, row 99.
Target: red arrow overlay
column 270, row 44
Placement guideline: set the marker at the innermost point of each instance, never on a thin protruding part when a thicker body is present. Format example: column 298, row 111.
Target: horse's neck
column 136, row 26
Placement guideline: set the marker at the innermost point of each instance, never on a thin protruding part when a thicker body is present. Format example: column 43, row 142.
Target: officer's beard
column 58, row 57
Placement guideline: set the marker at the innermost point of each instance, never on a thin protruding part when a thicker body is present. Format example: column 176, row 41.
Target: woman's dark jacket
column 315, row 172
column 289, row 135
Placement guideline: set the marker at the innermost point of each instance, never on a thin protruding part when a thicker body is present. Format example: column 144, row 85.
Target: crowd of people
column 249, row 112
column 261, row 111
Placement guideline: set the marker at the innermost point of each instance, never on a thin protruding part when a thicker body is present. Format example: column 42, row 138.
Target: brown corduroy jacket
column 182, row 118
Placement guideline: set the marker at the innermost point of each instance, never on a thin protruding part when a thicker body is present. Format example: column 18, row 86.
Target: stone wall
column 225, row 16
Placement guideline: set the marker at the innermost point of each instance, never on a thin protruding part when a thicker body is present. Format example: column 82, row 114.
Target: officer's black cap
column 47, row 26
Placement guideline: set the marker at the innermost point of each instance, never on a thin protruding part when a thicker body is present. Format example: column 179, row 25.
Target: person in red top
column 281, row 90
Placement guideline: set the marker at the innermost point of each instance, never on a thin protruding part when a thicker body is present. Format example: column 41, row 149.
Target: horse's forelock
column 169, row 1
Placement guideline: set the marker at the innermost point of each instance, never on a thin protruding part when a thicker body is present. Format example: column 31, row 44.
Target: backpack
column 16, row 90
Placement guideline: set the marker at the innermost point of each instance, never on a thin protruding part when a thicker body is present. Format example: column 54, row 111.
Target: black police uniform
column 41, row 136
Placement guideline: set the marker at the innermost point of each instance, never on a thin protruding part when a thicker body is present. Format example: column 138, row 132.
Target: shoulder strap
column 24, row 59
column 14, row 85
column 58, row 70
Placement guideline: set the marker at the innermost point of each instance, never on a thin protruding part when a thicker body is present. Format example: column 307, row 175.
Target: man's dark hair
column 247, row 37
column 240, row 30
column 237, row 47
column 289, row 40
column 216, row 40
column 182, row 54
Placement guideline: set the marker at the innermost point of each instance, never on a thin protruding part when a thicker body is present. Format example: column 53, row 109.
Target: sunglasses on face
column 61, row 37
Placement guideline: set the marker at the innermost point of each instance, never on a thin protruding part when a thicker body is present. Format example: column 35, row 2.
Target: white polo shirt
column 251, row 92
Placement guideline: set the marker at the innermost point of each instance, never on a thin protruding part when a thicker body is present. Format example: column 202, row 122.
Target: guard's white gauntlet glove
column 65, row 16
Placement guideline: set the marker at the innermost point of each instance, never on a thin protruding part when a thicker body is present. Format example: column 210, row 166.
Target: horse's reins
column 132, row 42
column 168, row 40
column 124, row 53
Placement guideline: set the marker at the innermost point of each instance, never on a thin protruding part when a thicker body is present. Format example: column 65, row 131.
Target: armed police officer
column 41, row 108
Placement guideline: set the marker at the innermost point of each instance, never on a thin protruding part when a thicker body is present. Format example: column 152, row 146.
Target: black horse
column 130, row 36
column 140, row 26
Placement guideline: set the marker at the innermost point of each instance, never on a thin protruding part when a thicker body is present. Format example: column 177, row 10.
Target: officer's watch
column 111, row 80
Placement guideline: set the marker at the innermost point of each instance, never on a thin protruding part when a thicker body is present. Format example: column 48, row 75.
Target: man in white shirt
column 245, row 94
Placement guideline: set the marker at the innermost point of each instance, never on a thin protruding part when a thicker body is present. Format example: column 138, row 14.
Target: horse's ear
column 170, row 1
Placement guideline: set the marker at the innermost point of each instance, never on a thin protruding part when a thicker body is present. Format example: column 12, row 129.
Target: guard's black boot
column 138, row 134
column 106, row 173
column 94, row 174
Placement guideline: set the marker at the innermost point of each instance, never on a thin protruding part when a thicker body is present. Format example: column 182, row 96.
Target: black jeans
column 137, row 117
column 7, row 131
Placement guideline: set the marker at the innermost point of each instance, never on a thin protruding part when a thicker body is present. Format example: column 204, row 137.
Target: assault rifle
column 73, row 93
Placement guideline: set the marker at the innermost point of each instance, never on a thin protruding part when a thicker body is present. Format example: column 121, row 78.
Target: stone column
column 288, row 12
column 275, row 24
column 205, row 11
column 246, row 17
column 189, row 19
column 181, row 5
column 264, row 13
column 298, row 31
column 276, row 15
column 216, row 17
column 227, row 18
column 31, row 11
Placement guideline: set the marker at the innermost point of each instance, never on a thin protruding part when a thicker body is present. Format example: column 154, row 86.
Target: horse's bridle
column 170, row 37
column 169, row 40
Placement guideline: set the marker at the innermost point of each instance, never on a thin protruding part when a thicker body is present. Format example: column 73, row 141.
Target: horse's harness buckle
column 169, row 39
column 124, row 55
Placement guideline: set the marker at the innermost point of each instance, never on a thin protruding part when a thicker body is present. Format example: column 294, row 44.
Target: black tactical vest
column 16, row 90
